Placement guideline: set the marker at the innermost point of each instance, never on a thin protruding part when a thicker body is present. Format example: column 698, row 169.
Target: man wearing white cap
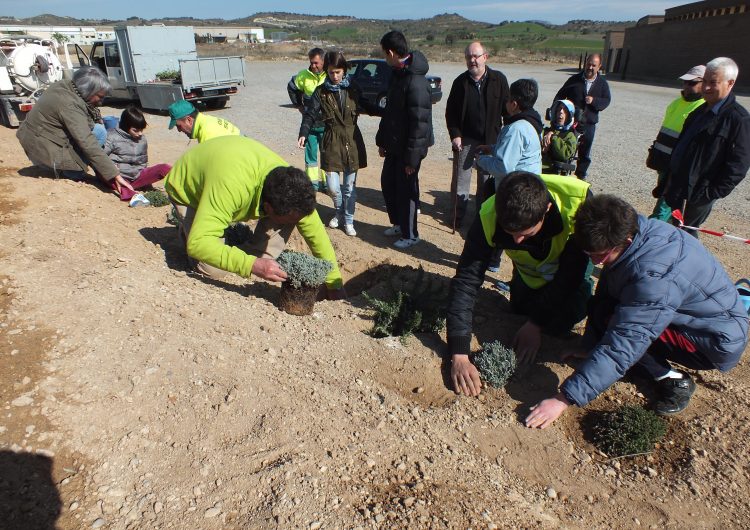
column 660, row 151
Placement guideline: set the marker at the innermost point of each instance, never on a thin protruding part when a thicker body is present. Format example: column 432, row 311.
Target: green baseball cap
column 178, row 110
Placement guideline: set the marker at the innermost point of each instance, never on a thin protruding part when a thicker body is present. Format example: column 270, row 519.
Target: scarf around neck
column 93, row 112
column 335, row 88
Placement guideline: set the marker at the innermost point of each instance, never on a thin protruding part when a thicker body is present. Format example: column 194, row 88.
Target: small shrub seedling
column 157, row 198
column 304, row 270
column 420, row 308
column 496, row 363
column 629, row 430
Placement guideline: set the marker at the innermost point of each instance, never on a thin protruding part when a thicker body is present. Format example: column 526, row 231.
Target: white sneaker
column 395, row 230
column 333, row 223
column 349, row 230
column 138, row 200
column 406, row 243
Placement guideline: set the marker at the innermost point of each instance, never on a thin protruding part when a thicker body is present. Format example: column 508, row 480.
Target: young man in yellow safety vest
column 531, row 218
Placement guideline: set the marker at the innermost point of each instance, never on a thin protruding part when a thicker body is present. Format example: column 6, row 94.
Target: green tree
column 60, row 38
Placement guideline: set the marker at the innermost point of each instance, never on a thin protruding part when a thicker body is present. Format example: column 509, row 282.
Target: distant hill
column 515, row 38
column 295, row 22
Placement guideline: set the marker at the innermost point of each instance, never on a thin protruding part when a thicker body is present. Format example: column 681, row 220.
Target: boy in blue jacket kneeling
column 662, row 298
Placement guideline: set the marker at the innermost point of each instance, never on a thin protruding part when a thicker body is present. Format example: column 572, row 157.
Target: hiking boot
column 675, row 395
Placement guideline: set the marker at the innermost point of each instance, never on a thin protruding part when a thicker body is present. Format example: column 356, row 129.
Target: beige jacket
column 57, row 133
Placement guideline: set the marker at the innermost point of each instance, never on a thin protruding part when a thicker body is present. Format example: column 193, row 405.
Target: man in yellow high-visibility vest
column 671, row 127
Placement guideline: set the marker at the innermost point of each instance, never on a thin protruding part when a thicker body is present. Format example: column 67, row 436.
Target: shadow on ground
column 28, row 496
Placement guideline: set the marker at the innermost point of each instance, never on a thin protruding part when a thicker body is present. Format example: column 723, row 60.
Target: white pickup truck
column 138, row 53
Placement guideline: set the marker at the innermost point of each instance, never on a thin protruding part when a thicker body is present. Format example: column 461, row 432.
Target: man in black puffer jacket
column 404, row 135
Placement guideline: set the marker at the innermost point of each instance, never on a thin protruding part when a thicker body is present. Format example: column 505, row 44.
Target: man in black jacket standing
column 404, row 135
column 712, row 154
column 589, row 92
column 474, row 115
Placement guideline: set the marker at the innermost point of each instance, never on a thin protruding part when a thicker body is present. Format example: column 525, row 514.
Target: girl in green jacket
column 342, row 151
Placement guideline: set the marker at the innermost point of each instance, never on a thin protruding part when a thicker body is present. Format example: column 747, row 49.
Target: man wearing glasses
column 662, row 298
column 474, row 115
column 674, row 118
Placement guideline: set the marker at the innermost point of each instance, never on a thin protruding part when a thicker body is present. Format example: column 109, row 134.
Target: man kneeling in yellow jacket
column 202, row 127
column 234, row 179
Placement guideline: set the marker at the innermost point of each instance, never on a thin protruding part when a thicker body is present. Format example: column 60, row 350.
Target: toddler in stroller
column 560, row 139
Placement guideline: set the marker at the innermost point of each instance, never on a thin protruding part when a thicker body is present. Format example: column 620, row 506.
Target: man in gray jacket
column 662, row 298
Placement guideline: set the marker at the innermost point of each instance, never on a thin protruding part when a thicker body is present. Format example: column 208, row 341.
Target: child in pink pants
column 127, row 147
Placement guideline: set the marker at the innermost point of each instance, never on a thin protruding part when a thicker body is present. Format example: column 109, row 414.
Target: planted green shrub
column 304, row 269
column 629, row 430
column 157, row 198
column 420, row 308
column 496, row 363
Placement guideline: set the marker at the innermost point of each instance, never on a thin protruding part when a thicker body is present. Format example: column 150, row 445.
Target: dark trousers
column 524, row 300
column 671, row 345
column 401, row 194
column 584, row 149
column 695, row 214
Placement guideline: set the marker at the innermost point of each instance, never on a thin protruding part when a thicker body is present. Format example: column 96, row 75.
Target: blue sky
column 555, row 11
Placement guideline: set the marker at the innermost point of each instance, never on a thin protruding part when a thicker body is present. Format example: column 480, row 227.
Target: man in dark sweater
column 589, row 92
column 530, row 217
column 404, row 135
column 474, row 115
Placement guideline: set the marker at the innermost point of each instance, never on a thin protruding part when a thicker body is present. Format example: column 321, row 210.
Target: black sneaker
column 675, row 395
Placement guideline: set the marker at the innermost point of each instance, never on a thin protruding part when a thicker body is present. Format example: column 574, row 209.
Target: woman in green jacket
column 342, row 152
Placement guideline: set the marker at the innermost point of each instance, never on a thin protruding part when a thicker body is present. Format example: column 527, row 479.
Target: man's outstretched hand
column 268, row 269
column 547, row 411
column 465, row 376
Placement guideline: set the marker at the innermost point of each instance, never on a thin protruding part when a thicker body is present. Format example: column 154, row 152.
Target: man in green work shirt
column 301, row 89
column 235, row 179
column 197, row 125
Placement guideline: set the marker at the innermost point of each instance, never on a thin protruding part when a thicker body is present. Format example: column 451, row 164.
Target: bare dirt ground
column 137, row 395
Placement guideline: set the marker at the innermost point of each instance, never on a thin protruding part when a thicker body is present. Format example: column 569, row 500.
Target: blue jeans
column 100, row 133
column 344, row 194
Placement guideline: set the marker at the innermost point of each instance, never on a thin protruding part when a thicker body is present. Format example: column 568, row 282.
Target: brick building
column 661, row 48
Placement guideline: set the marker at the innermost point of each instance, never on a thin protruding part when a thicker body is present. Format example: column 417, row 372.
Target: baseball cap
column 696, row 72
column 178, row 110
